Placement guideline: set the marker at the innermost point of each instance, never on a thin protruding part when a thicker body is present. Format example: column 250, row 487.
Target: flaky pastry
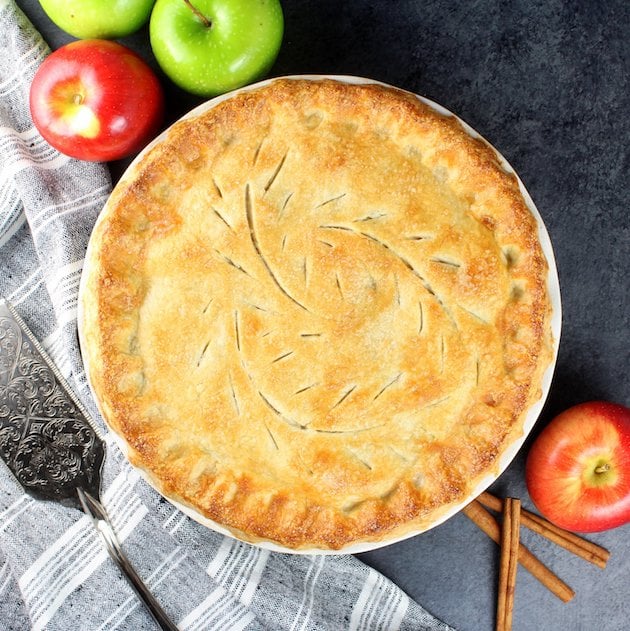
column 317, row 313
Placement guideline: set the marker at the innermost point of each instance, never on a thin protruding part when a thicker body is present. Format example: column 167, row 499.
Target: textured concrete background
column 548, row 83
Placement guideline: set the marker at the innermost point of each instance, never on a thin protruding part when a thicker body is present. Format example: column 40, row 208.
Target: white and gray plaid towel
column 54, row 573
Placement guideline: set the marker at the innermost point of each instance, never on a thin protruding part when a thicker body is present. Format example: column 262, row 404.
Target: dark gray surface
column 548, row 83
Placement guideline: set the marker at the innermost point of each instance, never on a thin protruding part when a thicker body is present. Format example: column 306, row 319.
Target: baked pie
column 317, row 313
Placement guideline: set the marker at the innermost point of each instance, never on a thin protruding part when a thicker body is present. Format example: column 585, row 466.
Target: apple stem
column 602, row 468
column 206, row 22
column 77, row 99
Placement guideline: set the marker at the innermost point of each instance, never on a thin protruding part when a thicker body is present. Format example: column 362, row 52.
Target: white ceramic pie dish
column 533, row 412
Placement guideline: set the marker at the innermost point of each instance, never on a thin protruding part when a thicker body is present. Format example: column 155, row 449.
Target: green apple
column 208, row 47
column 98, row 19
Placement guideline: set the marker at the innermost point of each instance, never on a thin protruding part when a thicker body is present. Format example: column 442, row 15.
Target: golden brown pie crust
column 317, row 313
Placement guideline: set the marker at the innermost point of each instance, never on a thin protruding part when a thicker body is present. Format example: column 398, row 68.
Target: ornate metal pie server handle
column 96, row 511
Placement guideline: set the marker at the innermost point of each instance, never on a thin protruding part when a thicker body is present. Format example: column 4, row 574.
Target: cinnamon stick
column 504, row 564
column 486, row 522
column 510, row 541
column 569, row 541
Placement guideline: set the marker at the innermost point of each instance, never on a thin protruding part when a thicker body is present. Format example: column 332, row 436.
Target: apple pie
column 317, row 313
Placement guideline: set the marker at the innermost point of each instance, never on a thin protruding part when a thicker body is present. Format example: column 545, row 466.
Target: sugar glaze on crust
column 317, row 313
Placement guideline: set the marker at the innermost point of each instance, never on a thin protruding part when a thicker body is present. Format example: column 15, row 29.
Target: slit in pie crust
column 317, row 313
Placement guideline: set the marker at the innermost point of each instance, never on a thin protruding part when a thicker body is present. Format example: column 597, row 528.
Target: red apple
column 96, row 100
column 578, row 469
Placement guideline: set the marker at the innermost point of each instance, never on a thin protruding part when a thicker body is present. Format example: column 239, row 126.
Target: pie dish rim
column 533, row 411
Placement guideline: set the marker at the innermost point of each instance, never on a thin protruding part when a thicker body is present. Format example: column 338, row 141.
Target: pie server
column 50, row 443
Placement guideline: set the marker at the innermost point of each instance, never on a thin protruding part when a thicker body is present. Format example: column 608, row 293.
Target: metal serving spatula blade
column 50, row 443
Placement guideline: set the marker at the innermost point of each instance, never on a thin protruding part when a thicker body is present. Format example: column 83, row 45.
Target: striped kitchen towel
column 54, row 573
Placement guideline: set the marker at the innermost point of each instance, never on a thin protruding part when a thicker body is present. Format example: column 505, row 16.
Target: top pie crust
column 317, row 313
